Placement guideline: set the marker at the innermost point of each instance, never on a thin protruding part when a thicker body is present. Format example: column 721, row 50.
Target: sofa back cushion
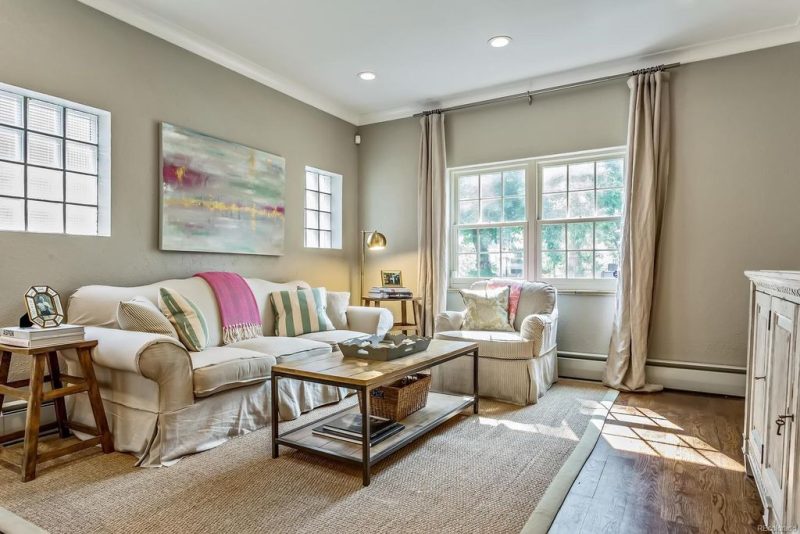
column 536, row 297
column 338, row 302
column 96, row 305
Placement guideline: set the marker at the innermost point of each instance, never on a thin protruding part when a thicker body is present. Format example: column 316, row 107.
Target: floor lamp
column 373, row 240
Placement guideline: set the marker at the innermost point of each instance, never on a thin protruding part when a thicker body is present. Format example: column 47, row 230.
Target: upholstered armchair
column 517, row 367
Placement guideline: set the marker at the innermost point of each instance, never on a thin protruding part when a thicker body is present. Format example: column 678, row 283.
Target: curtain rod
column 530, row 94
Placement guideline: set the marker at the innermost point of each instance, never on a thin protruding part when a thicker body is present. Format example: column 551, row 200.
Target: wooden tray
column 379, row 348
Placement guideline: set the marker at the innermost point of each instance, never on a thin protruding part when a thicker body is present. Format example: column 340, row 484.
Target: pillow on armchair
column 486, row 309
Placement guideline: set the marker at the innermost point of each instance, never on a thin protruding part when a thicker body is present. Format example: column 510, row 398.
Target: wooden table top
column 357, row 372
column 389, row 299
column 88, row 343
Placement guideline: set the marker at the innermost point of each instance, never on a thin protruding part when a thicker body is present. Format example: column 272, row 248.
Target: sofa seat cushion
column 284, row 349
column 500, row 345
column 221, row 368
column 332, row 337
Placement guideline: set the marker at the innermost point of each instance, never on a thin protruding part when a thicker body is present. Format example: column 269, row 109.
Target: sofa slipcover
column 161, row 399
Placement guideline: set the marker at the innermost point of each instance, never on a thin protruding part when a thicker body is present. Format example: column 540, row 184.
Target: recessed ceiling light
column 366, row 75
column 499, row 41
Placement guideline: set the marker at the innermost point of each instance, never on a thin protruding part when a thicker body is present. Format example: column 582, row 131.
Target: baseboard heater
column 683, row 376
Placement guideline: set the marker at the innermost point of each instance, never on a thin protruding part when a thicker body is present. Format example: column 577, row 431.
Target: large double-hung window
column 557, row 219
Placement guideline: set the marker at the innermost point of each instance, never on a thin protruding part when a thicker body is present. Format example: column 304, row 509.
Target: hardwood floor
column 665, row 462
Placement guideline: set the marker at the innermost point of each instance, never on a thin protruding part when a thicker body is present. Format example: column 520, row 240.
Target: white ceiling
column 434, row 52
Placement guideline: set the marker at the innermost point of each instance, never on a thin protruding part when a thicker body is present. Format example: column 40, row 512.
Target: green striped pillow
column 187, row 319
column 300, row 312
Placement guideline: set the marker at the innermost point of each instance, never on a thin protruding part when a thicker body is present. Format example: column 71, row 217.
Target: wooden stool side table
column 35, row 394
column 404, row 326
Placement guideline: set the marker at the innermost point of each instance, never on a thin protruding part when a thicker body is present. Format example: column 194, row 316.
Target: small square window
column 323, row 209
column 54, row 165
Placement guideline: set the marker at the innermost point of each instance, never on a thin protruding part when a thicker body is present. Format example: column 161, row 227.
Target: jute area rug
column 480, row 474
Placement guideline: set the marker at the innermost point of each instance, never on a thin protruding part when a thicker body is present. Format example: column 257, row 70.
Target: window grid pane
column 581, row 250
column 49, row 200
column 45, row 117
column 11, row 109
column 491, row 197
column 484, row 199
column 318, row 220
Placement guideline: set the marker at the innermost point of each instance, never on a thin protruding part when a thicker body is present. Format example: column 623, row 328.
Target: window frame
column 336, row 209
column 574, row 284
column 533, row 222
column 455, row 174
column 103, row 146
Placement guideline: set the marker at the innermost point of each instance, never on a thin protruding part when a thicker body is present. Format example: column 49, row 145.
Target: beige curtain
column 645, row 191
column 432, row 220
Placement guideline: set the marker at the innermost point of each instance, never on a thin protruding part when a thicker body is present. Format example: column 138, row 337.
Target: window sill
column 588, row 292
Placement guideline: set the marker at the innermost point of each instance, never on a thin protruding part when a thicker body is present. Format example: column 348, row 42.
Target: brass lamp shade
column 373, row 240
column 376, row 241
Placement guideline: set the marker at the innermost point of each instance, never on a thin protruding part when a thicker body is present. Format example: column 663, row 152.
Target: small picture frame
column 44, row 306
column 392, row 278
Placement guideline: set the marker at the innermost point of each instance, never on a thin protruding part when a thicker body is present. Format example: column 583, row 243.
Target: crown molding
column 196, row 44
column 780, row 35
column 180, row 36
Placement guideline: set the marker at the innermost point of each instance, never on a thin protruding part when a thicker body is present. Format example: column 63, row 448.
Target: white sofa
column 163, row 402
column 518, row 367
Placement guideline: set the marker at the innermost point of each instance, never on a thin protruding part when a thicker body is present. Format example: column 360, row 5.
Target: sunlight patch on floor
column 659, row 438
column 628, row 414
column 561, row 431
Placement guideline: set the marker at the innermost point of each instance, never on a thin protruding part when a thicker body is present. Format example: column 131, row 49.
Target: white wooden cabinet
column 771, row 436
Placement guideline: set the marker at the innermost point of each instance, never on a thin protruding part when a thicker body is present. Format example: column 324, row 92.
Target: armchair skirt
column 506, row 370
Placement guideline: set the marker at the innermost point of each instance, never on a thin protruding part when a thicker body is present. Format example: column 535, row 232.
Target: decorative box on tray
column 384, row 348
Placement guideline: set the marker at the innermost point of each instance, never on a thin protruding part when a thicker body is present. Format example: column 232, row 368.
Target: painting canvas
column 218, row 196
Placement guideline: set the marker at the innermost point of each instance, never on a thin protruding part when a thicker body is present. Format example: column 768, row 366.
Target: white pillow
column 486, row 309
column 338, row 302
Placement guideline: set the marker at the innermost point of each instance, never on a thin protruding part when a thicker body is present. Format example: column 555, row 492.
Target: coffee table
column 364, row 376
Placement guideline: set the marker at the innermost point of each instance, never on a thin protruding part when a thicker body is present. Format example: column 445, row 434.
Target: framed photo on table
column 392, row 278
column 44, row 306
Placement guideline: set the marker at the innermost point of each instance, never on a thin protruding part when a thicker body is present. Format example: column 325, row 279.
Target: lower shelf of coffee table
column 440, row 408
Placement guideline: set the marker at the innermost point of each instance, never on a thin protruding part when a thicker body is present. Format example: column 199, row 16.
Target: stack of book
column 35, row 337
column 390, row 293
column 348, row 428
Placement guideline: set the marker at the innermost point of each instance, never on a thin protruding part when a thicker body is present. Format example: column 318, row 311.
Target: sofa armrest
column 375, row 321
column 160, row 358
column 541, row 328
column 121, row 349
column 447, row 321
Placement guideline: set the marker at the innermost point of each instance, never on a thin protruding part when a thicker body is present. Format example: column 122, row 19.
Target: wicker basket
column 399, row 400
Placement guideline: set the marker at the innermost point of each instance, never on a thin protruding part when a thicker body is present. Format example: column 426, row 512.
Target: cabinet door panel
column 758, row 386
column 776, row 446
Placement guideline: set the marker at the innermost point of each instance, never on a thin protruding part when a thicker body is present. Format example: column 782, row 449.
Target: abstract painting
column 219, row 196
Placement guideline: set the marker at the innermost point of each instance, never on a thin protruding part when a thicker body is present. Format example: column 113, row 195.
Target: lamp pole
column 363, row 258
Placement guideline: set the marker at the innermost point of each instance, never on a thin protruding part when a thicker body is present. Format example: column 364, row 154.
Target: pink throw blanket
column 514, row 293
column 237, row 306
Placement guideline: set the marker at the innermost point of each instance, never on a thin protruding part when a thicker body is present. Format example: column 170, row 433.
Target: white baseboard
column 719, row 380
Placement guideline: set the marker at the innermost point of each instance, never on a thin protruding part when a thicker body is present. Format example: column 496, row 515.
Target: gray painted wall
column 68, row 50
column 731, row 205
